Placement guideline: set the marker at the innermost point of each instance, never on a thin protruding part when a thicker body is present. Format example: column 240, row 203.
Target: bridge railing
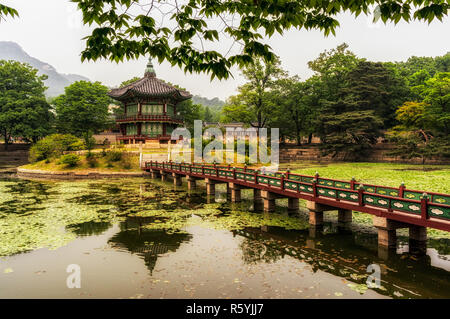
column 392, row 199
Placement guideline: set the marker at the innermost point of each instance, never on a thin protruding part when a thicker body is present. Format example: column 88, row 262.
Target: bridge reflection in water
column 346, row 254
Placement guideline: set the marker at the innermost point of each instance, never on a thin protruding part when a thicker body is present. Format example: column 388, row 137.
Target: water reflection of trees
column 146, row 243
column 28, row 195
column 254, row 252
column 90, row 228
column 346, row 255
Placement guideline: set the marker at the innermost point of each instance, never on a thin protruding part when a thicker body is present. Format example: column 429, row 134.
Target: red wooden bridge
column 392, row 207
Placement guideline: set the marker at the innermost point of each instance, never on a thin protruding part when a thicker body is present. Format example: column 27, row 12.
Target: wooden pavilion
column 150, row 109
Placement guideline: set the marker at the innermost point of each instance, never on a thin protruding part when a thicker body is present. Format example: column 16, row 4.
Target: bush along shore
column 56, row 156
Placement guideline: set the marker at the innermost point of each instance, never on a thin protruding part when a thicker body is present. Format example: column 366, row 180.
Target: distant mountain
column 56, row 82
column 215, row 103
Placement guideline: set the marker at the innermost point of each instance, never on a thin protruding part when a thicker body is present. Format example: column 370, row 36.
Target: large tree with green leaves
column 295, row 107
column 184, row 34
column 24, row 111
column 83, row 109
column 7, row 11
column 254, row 104
column 424, row 129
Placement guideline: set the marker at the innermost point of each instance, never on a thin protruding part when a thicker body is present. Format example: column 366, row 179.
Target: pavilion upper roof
column 151, row 87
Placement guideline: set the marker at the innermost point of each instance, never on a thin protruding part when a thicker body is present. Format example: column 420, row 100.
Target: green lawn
column 434, row 178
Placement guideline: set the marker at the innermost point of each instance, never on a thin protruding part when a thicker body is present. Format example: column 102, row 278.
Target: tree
column 254, row 104
column 413, row 137
column 296, row 103
column 207, row 115
column 83, row 109
column 372, row 86
column 436, row 94
column 332, row 68
column 180, row 33
column 125, row 83
column 424, row 126
column 364, row 105
column 7, row 11
column 24, row 112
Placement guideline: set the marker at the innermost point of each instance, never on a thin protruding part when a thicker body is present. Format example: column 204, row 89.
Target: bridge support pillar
column 258, row 203
column 315, row 213
column 417, row 239
column 155, row 174
column 228, row 191
column 268, row 200
column 292, row 205
column 344, row 217
column 177, row 179
column 235, row 192
column 315, row 218
column 163, row 176
column 210, row 189
column 387, row 235
column 192, row 184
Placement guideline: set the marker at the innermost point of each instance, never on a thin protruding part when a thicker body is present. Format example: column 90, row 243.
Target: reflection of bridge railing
column 410, row 206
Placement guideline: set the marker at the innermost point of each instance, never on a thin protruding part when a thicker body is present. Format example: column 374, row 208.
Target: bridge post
column 344, row 217
column 163, row 176
column 228, row 191
column 210, row 186
column 292, row 205
column 177, row 179
column 235, row 192
column 155, row 173
column 417, row 239
column 269, row 201
column 257, row 200
column 387, row 235
column 191, row 182
column 315, row 213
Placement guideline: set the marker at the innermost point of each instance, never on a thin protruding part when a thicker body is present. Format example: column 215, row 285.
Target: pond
column 140, row 238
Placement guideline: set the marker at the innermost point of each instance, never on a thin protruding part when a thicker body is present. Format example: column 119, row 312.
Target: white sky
column 51, row 31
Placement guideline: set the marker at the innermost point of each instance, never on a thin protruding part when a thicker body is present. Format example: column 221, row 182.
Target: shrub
column 113, row 156
column 92, row 161
column 53, row 146
column 125, row 161
column 70, row 160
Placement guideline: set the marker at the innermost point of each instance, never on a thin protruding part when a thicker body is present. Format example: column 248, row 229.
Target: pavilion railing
column 149, row 117
column 401, row 199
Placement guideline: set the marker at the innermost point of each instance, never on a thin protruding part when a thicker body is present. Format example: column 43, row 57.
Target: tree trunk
column 6, row 139
column 310, row 138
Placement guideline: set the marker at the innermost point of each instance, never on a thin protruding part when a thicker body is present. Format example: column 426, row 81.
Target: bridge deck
column 400, row 204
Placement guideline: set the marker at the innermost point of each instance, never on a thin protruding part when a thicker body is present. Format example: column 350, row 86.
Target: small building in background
column 150, row 110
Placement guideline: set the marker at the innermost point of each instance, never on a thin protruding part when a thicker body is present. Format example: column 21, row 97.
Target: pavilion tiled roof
column 149, row 86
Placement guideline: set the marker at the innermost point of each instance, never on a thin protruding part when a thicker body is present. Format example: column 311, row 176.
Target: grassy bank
column 95, row 163
column 435, row 178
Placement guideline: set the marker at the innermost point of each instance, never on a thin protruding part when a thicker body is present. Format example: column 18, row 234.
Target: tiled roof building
column 150, row 109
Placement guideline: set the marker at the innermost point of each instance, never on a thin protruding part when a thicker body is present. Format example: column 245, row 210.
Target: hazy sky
column 51, row 31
